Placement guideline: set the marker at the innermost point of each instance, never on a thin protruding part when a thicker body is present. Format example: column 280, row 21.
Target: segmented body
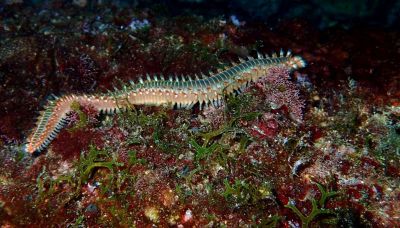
column 183, row 93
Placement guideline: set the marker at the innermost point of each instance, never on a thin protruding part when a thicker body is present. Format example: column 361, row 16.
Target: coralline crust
column 156, row 91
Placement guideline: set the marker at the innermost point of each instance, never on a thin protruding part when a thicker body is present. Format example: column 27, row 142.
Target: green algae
column 83, row 118
column 242, row 192
column 160, row 139
column 79, row 222
column 85, row 168
column 133, row 160
column 389, row 145
column 318, row 207
column 229, row 126
column 202, row 152
column 137, row 122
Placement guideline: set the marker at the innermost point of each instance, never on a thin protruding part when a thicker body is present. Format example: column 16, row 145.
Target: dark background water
column 321, row 13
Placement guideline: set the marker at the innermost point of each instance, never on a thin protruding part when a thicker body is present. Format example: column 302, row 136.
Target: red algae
column 70, row 144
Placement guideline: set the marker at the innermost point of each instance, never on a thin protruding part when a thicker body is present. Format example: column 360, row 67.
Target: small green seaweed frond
column 242, row 192
column 204, row 151
column 88, row 163
column 95, row 159
column 83, row 118
column 318, row 206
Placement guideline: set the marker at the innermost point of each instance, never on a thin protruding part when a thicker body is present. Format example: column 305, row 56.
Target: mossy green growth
column 161, row 141
column 242, row 192
column 236, row 106
column 86, row 166
column 20, row 155
column 318, row 207
column 133, row 117
column 83, row 118
column 389, row 146
column 237, row 190
column 95, row 159
column 229, row 126
column 47, row 186
column 79, row 222
column 133, row 160
column 137, row 123
column 202, row 152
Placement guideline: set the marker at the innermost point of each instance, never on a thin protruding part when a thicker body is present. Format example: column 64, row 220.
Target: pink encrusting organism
column 280, row 91
column 181, row 92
